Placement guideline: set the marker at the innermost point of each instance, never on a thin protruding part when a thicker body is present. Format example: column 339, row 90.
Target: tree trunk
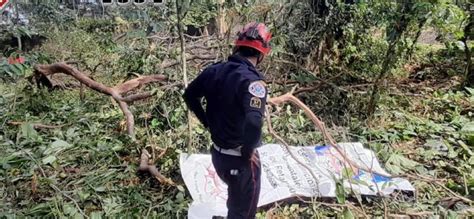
column 469, row 71
column 17, row 20
column 221, row 25
column 469, row 75
column 421, row 24
column 183, row 66
column 399, row 28
column 387, row 62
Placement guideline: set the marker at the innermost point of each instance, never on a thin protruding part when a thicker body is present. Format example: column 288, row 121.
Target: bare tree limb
column 135, row 97
column 115, row 92
column 321, row 126
column 137, row 82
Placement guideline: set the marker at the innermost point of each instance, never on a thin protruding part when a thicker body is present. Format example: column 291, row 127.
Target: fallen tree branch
column 321, row 126
column 137, row 82
column 136, row 97
column 43, row 71
column 145, row 167
column 307, row 89
column 354, row 166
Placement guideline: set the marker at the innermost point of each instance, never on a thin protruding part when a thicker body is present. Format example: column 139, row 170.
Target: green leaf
column 470, row 90
column 468, row 128
column 112, row 205
column 49, row 159
column 340, row 192
column 100, row 189
column 95, row 215
column 56, row 147
column 179, row 197
column 465, row 147
column 347, row 173
column 397, row 164
column 348, row 214
column 436, row 144
column 452, row 215
column 117, row 147
column 28, row 131
column 83, row 195
column 16, row 69
column 468, row 131
column 69, row 209
column 40, row 209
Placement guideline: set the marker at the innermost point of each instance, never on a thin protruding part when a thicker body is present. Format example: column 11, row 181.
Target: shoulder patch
column 255, row 102
column 257, row 88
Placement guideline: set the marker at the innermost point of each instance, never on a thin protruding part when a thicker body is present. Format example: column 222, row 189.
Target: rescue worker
column 235, row 95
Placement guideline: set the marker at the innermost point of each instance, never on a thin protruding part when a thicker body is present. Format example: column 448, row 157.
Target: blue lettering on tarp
column 378, row 178
column 357, row 177
column 321, row 149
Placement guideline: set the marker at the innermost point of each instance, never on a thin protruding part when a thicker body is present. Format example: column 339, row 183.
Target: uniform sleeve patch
column 257, row 88
column 255, row 102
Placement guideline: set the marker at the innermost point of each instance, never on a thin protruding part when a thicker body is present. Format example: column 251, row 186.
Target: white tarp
column 282, row 177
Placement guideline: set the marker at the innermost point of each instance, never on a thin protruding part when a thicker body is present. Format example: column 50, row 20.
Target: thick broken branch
column 139, row 96
column 137, row 82
column 61, row 67
column 144, row 166
column 320, row 125
column 116, row 91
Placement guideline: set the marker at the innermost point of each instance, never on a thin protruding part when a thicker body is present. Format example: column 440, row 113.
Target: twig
column 419, row 214
column 70, row 198
column 37, row 125
column 469, row 201
column 436, row 182
column 335, row 205
column 120, row 37
column 190, row 58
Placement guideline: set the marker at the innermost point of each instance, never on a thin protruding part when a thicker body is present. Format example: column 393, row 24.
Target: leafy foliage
column 333, row 50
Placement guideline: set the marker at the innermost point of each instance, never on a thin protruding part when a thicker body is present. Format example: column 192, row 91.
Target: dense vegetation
column 395, row 75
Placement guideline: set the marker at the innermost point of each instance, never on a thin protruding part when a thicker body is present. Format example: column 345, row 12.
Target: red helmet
column 255, row 35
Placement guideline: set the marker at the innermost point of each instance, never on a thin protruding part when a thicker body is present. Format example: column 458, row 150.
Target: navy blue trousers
column 243, row 184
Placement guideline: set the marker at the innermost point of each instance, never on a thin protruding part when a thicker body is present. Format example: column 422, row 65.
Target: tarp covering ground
column 283, row 177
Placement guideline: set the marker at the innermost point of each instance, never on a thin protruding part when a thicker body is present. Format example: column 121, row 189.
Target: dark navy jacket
column 235, row 95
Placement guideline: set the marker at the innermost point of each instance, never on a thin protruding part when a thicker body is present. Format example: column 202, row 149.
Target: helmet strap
column 260, row 58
